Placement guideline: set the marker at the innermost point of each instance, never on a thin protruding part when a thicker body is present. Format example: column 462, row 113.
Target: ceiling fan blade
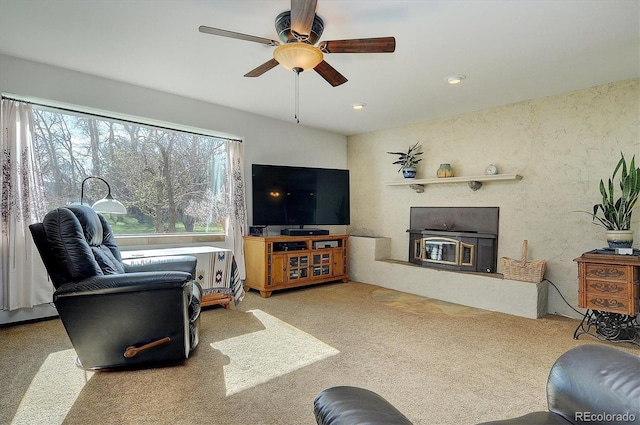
column 270, row 64
column 329, row 73
column 302, row 14
column 360, row 45
column 237, row 35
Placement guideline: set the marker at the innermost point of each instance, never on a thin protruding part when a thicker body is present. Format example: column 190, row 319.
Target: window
column 170, row 181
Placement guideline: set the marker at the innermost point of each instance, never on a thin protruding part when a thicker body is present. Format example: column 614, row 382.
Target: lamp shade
column 298, row 55
column 106, row 204
column 110, row 206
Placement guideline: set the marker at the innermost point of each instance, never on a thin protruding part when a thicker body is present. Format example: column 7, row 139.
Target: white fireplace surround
column 369, row 263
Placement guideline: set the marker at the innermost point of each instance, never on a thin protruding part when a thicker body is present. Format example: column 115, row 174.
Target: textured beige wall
column 561, row 145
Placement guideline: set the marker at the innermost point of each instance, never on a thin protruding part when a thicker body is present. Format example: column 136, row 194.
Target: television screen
column 298, row 196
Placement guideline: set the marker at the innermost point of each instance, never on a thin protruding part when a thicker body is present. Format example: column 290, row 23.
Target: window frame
column 143, row 239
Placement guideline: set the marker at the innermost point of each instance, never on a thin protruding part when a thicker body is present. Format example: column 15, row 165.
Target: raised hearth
column 370, row 261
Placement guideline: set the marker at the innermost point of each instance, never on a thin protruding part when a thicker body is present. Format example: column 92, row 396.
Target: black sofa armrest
column 178, row 263
column 595, row 379
column 127, row 282
column 346, row 405
column 587, row 381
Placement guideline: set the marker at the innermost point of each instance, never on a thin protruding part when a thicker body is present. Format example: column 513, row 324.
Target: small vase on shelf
column 444, row 171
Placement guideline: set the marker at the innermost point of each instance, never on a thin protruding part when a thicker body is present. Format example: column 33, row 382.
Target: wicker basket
column 526, row 271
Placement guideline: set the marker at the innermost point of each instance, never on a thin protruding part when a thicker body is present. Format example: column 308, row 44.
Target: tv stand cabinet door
column 278, row 271
column 339, row 262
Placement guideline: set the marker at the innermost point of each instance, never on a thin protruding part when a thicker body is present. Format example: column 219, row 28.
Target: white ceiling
column 510, row 50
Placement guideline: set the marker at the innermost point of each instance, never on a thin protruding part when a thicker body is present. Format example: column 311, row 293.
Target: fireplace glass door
column 445, row 251
column 440, row 250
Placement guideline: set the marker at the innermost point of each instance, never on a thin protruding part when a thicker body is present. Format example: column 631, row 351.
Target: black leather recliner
column 117, row 314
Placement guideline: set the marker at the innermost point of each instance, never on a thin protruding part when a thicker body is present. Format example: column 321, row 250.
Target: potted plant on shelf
column 614, row 213
column 408, row 160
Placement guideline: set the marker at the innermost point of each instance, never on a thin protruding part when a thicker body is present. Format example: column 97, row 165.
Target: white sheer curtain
column 24, row 279
column 237, row 219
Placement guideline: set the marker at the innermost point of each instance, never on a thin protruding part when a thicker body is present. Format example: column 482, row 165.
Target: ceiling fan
column 299, row 30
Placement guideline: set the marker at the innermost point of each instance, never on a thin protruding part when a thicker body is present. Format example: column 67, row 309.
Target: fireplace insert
column 454, row 238
column 464, row 251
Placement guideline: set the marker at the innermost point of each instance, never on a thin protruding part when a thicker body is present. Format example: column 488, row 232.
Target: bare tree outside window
column 169, row 181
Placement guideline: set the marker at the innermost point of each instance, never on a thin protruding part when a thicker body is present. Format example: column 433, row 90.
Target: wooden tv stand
column 282, row 262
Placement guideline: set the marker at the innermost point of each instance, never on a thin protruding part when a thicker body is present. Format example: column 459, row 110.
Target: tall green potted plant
column 408, row 160
column 614, row 212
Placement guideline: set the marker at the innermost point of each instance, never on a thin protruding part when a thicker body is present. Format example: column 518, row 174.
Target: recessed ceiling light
column 455, row 79
column 358, row 106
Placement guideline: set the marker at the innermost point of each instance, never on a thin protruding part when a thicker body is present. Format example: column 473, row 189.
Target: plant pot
column 409, row 172
column 620, row 238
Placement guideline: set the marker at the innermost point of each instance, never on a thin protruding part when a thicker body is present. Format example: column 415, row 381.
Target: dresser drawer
column 610, row 272
column 609, row 296
column 605, row 288
column 610, row 304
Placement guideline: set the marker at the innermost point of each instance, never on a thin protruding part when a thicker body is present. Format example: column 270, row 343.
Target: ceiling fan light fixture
column 298, row 55
column 455, row 79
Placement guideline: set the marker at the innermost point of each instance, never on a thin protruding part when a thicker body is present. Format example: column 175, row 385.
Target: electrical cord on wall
column 563, row 298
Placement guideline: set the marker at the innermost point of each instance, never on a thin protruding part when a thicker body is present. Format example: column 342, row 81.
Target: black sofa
column 589, row 384
column 117, row 314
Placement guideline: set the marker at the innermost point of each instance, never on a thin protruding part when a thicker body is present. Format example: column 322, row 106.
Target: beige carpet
column 258, row 357
column 264, row 362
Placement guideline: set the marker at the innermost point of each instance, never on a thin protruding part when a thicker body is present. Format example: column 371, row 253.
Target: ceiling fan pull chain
column 297, row 71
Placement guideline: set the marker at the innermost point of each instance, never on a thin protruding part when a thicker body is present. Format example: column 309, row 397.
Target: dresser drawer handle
column 607, row 287
column 607, row 273
column 606, row 303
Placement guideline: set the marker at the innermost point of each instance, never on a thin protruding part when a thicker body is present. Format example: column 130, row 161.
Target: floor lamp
column 106, row 204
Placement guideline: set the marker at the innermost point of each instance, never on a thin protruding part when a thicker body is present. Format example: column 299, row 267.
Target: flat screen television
column 299, row 196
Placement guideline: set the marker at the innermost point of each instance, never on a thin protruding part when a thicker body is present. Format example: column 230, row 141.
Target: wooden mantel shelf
column 474, row 182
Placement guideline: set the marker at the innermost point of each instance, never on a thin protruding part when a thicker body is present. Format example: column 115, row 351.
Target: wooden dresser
column 609, row 282
column 609, row 289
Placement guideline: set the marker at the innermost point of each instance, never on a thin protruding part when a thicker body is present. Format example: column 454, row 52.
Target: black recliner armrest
column 182, row 263
column 130, row 319
column 127, row 282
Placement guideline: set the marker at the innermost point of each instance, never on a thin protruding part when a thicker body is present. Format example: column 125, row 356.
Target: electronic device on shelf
column 304, row 232
column 300, row 196
column 326, row 244
column 290, row 246
column 256, row 230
